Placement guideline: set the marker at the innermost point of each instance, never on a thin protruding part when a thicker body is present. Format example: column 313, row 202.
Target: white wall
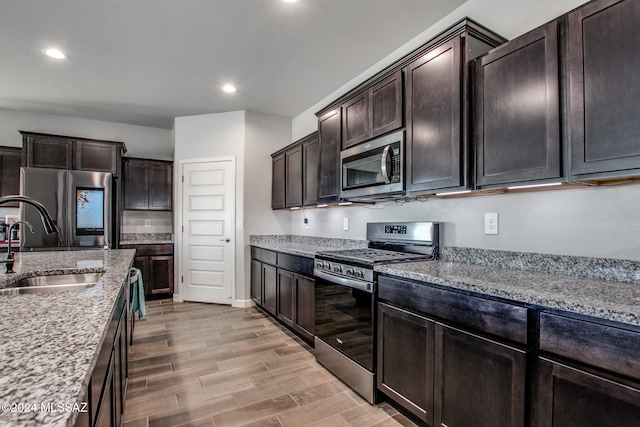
column 601, row 222
column 141, row 141
column 251, row 138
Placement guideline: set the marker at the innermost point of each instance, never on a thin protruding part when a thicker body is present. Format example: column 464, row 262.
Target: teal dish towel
column 137, row 300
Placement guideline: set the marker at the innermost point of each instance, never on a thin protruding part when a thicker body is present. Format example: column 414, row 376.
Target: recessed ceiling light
column 290, row 1
column 54, row 53
column 229, row 88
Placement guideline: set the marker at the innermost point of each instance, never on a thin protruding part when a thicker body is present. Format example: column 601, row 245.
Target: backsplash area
column 146, row 226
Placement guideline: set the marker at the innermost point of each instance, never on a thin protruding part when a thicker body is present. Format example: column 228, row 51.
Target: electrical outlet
column 491, row 223
column 306, row 223
column 345, row 224
column 147, row 222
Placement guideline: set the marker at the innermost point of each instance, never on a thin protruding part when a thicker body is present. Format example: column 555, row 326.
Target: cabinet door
column 293, row 169
column 278, row 182
column 48, row 152
column 310, row 172
column 305, row 297
column 355, row 120
column 569, row 397
column 96, row 156
column 286, row 297
column 405, row 360
column 160, row 274
column 604, row 91
column 434, row 114
column 269, row 287
column 256, row 281
column 516, row 115
column 329, row 167
column 142, row 264
column 478, row 382
column 386, row 105
column 160, row 186
column 136, row 184
column 10, row 161
column 105, row 416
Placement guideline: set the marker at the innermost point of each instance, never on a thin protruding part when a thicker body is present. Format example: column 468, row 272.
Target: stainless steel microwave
column 374, row 169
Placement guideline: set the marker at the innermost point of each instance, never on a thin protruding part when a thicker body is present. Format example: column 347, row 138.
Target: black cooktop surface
column 369, row 256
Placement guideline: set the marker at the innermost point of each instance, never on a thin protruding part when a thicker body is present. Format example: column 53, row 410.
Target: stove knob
column 360, row 274
column 337, row 269
column 350, row 272
column 319, row 264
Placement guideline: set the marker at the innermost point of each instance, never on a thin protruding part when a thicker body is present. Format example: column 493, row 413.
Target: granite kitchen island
column 50, row 342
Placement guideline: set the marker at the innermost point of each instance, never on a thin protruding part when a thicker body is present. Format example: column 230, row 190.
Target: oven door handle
column 344, row 281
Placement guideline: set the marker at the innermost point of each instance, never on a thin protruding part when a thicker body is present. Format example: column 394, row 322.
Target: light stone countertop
column 609, row 300
column 604, row 288
column 50, row 342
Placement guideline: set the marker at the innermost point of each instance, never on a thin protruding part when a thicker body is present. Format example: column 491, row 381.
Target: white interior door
column 208, row 212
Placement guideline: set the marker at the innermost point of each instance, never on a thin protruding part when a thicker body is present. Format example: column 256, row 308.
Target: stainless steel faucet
column 48, row 223
column 8, row 266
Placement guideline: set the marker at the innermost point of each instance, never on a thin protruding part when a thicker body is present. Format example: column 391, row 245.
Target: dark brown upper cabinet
column 64, row 152
column 517, row 110
column 373, row 112
column 10, row 161
column 148, row 184
column 330, row 136
column 437, row 110
column 310, row 170
column 278, row 181
column 295, row 174
column 293, row 180
column 604, row 91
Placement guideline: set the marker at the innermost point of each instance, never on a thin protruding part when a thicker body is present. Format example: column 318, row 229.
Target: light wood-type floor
column 212, row 365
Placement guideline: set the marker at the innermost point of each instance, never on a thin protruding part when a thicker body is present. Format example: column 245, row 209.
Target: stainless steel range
column 346, row 297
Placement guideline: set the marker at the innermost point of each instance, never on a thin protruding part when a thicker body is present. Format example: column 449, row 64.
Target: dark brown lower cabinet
column 305, row 297
column 571, row 397
column 107, row 389
column 405, row 360
column 256, row 281
column 478, row 382
column 285, row 291
column 270, row 288
column 286, row 295
column 156, row 264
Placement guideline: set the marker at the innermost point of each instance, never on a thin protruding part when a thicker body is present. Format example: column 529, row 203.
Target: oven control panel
column 395, row 229
column 344, row 270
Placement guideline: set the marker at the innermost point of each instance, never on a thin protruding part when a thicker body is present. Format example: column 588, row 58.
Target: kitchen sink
column 53, row 283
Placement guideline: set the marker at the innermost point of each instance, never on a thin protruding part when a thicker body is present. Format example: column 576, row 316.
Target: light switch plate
column 345, row 224
column 147, row 222
column 491, row 223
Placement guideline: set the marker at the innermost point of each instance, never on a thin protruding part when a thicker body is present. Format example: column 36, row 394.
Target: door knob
column 225, row 240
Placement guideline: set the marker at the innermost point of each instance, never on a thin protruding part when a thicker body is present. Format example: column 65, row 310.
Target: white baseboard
column 176, row 298
column 242, row 303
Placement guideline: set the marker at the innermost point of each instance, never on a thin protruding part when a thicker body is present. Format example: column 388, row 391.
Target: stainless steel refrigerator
column 79, row 201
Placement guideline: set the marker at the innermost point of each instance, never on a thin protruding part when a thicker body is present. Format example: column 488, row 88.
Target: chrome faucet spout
column 9, row 264
column 48, row 222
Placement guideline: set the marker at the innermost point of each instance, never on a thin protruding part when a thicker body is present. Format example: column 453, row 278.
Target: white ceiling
column 145, row 62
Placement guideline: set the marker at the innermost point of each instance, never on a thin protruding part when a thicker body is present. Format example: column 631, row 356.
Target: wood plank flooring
column 212, row 365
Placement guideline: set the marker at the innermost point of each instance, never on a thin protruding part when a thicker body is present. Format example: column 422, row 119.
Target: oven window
column 344, row 320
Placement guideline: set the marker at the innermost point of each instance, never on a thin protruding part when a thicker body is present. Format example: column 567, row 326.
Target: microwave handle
column 383, row 165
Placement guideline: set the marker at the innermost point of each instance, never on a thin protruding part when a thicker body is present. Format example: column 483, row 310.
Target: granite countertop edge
column 59, row 334
column 597, row 298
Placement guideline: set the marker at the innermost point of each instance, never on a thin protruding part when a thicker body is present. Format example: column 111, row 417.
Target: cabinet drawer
column 149, row 250
column 493, row 317
column 298, row 264
column 264, row 255
column 594, row 344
